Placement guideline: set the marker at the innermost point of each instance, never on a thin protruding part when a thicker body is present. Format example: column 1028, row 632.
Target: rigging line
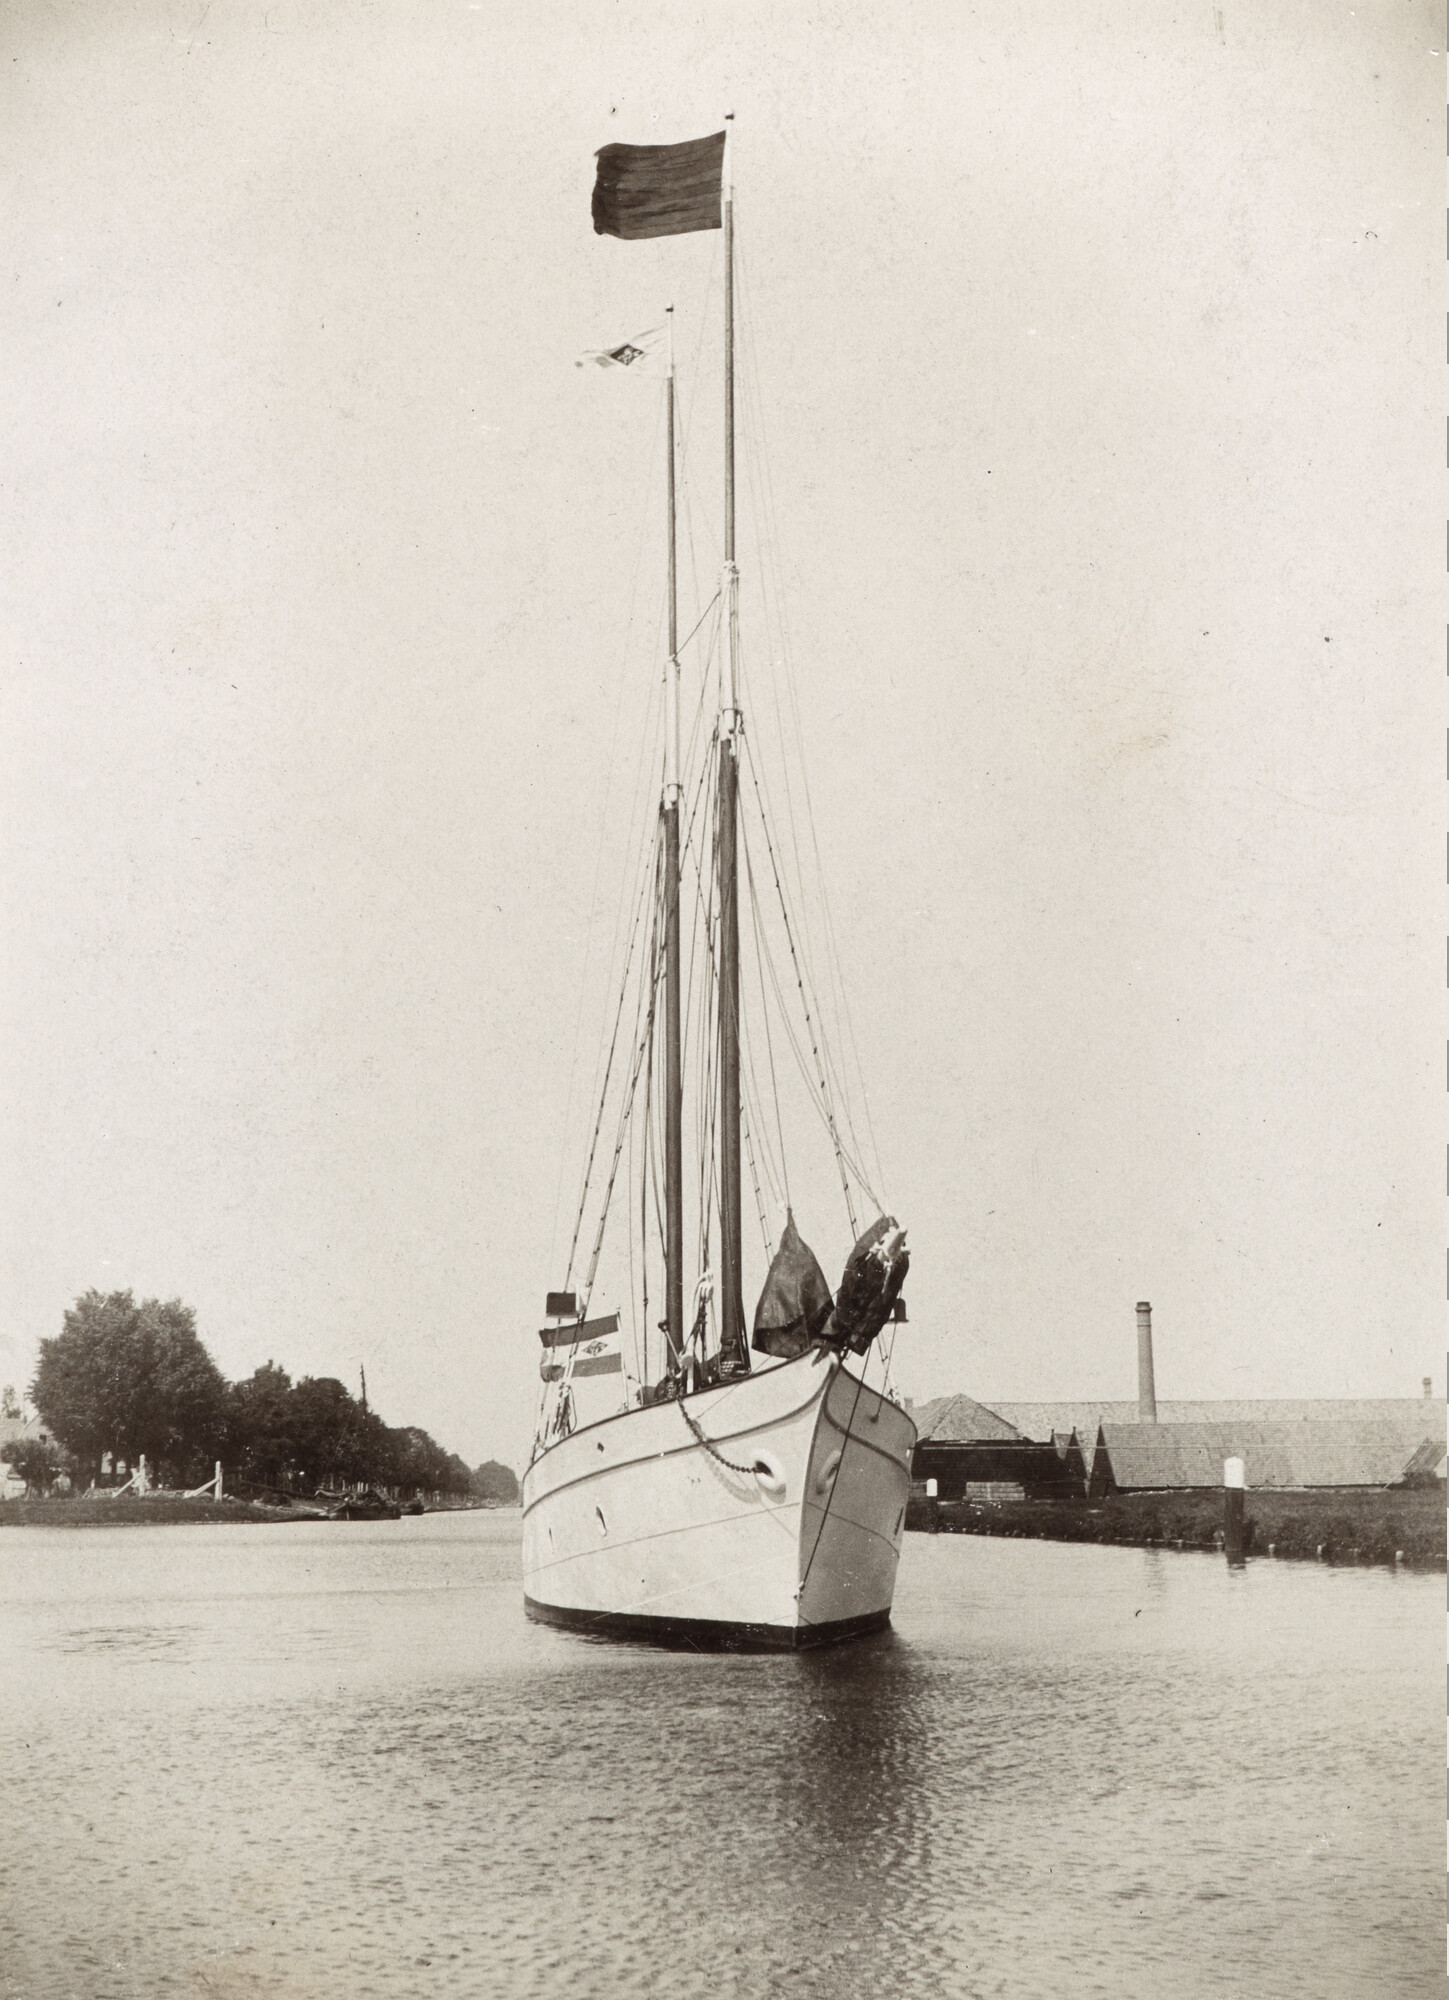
column 644, row 1175
column 772, row 543
column 812, row 1097
column 626, row 1125
column 702, row 793
column 751, row 1110
column 757, row 1108
column 754, row 1176
column 659, row 1227
column 769, row 1038
column 749, row 1067
column 699, row 621
column 604, row 1093
column 702, row 711
column 888, row 1357
column 814, row 1047
column 625, row 1114
column 604, row 820
column 809, row 990
column 647, row 864
column 761, row 952
column 708, row 1108
column 608, row 1071
column 651, row 733
column 629, row 1252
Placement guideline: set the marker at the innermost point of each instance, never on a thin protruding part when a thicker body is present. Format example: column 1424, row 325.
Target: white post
column 218, row 1479
column 1234, row 1481
column 142, row 1486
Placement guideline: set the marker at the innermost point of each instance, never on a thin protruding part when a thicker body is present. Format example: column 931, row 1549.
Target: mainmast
column 673, row 1084
column 732, row 1318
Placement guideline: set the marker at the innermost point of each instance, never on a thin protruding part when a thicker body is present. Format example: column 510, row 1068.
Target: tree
column 260, row 1430
column 328, row 1430
column 9, row 1403
column 492, row 1481
column 129, row 1379
column 35, row 1460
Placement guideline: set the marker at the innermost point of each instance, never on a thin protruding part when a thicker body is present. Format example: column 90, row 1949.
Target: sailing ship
column 754, row 1494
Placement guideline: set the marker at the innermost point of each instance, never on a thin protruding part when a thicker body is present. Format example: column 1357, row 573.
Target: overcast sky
column 1098, row 355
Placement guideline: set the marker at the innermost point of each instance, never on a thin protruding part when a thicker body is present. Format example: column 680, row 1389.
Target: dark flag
column 659, row 190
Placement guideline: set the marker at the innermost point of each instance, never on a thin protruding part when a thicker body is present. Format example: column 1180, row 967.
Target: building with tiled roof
column 962, row 1420
column 1137, row 1457
column 1040, row 1420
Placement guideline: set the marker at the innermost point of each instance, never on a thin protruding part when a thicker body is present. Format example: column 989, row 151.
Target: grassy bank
column 157, row 1509
column 129, row 1511
column 1330, row 1524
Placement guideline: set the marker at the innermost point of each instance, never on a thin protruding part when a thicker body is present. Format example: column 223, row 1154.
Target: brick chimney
column 1146, row 1387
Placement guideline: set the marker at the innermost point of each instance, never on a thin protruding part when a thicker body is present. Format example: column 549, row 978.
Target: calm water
column 257, row 1763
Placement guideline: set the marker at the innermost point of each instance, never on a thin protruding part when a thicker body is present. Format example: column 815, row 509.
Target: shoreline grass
column 155, row 1510
column 1341, row 1525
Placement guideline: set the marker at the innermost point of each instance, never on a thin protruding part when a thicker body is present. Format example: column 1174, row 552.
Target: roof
column 1296, row 1453
column 1418, row 1414
column 1428, row 1460
column 960, row 1420
column 1085, row 1448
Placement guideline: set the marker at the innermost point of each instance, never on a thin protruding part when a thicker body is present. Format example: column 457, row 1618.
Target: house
column 972, row 1452
column 12, row 1487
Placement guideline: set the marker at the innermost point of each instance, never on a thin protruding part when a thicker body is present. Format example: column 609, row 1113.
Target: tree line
column 122, row 1379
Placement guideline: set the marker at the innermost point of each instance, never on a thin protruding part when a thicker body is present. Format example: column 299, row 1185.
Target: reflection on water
column 259, row 1763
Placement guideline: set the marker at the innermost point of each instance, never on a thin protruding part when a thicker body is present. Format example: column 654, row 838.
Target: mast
column 732, row 1318
column 673, row 1083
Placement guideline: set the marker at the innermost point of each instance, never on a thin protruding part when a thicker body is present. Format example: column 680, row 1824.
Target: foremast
column 673, row 1073
column 734, row 1352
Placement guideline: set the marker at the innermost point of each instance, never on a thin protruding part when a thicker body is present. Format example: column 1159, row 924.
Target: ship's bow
column 853, row 1511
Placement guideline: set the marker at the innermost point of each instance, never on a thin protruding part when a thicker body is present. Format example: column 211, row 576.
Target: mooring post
column 1234, row 1481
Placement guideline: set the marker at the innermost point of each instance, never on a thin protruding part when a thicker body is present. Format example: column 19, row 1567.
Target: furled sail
column 796, row 1301
column 874, row 1273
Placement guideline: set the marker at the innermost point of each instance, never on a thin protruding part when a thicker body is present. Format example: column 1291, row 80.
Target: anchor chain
column 749, row 1470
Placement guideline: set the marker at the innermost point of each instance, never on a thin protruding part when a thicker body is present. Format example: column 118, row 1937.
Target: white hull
column 632, row 1526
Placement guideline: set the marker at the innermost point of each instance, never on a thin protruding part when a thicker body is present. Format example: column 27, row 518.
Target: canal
column 257, row 1763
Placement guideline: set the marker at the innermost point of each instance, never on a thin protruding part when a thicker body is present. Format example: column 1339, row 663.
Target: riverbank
column 154, row 1511
column 157, row 1510
column 1344, row 1525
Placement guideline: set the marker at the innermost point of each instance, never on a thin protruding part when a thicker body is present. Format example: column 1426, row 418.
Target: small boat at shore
column 732, row 1489
column 367, row 1505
